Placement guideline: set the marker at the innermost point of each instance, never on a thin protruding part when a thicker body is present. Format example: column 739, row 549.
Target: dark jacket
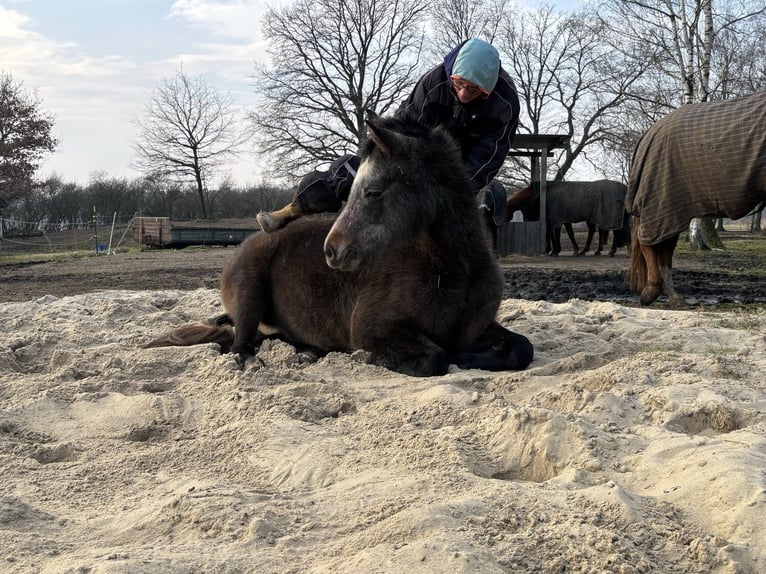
column 484, row 128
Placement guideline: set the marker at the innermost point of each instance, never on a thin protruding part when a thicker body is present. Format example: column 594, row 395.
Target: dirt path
column 704, row 278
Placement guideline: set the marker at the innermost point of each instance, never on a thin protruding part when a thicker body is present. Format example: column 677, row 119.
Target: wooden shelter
column 528, row 237
column 162, row 232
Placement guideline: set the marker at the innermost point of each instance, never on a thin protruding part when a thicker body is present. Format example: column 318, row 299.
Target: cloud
column 238, row 19
column 95, row 83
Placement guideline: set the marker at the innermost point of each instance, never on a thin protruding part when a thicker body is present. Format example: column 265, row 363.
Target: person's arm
column 486, row 156
column 426, row 103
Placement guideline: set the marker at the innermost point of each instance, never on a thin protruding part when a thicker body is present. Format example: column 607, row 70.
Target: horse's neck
column 459, row 238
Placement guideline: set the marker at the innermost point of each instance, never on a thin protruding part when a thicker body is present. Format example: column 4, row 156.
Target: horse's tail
column 195, row 334
column 638, row 267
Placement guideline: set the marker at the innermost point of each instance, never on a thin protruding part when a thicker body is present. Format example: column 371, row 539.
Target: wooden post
column 543, row 195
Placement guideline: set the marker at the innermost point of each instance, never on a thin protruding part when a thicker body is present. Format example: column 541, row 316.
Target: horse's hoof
column 268, row 222
column 240, row 359
column 649, row 295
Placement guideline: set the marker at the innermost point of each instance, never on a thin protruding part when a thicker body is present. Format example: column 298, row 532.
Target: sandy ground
column 634, row 443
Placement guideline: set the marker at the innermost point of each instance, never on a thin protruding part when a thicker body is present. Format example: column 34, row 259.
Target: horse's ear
column 383, row 138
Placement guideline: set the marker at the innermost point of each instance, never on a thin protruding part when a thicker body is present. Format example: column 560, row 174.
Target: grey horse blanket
column 701, row 160
column 600, row 202
column 492, row 198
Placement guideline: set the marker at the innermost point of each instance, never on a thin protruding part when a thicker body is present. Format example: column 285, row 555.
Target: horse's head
column 409, row 176
column 526, row 200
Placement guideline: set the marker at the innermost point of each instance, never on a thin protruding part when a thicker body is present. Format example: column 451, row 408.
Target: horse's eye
column 373, row 192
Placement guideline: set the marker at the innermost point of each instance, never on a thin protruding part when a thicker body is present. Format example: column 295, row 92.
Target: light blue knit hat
column 479, row 63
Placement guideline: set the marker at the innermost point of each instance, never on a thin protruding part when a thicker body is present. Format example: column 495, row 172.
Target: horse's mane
column 412, row 128
column 435, row 145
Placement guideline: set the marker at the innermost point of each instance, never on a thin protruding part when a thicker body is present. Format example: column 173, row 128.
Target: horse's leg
column 613, row 249
column 571, row 235
column 245, row 293
column 665, row 262
column 497, row 349
column 654, row 279
column 659, row 264
column 589, row 239
column 248, row 315
column 548, row 240
column 403, row 349
column 603, row 235
column 555, row 241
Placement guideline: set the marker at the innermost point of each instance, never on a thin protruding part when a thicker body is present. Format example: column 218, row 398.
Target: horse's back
column 700, row 160
column 600, row 202
column 301, row 297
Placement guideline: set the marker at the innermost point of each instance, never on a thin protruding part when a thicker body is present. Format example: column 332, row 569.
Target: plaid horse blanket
column 701, row 160
column 600, row 202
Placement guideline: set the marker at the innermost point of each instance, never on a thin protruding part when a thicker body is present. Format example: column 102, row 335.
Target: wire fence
column 18, row 237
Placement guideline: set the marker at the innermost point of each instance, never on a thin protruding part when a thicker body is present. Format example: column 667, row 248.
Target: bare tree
column 25, row 137
column 695, row 46
column 457, row 20
column 188, row 130
column 330, row 61
column 570, row 81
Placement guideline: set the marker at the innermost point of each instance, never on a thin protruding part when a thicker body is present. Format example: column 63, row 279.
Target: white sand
column 635, row 442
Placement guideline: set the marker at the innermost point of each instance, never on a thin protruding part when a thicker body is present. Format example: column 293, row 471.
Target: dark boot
column 271, row 221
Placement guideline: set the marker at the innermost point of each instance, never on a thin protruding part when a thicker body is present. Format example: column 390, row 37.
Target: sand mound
column 635, row 442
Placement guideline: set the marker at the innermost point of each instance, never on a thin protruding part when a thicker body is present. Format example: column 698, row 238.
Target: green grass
column 750, row 248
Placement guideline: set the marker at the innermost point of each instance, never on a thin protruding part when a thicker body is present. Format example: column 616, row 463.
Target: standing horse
column 405, row 272
column 701, row 160
column 600, row 203
column 620, row 237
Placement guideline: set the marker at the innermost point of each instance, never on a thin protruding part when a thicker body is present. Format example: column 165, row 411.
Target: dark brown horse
column 405, row 272
column 701, row 160
column 600, row 204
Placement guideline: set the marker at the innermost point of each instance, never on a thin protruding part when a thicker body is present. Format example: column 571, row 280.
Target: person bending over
column 469, row 94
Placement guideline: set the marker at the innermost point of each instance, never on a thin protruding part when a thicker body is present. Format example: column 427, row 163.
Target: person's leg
column 317, row 192
column 313, row 195
column 273, row 220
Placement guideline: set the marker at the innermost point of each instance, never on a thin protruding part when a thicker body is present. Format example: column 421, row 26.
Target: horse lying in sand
column 405, row 272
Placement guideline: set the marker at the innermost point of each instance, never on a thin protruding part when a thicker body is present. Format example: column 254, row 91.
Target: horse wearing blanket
column 598, row 203
column 701, row 160
column 405, row 272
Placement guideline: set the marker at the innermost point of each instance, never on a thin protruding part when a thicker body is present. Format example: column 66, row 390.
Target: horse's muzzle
column 340, row 255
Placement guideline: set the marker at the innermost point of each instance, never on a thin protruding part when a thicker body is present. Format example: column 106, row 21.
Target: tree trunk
column 719, row 224
column 755, row 222
column 201, row 191
column 702, row 234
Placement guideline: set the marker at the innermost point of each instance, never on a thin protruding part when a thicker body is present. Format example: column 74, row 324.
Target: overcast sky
column 93, row 63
